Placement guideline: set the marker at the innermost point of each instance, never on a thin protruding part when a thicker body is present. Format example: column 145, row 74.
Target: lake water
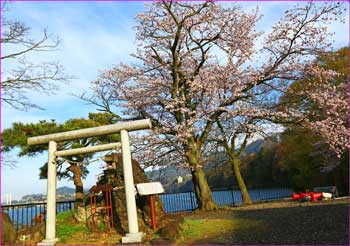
column 187, row 201
column 22, row 215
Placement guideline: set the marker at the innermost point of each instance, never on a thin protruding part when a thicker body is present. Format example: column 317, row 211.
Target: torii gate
column 134, row 235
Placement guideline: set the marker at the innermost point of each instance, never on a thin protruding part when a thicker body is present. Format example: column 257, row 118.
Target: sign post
column 150, row 189
column 153, row 212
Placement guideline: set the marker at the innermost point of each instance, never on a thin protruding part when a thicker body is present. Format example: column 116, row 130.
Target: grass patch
column 200, row 229
column 63, row 216
column 71, row 232
column 66, row 226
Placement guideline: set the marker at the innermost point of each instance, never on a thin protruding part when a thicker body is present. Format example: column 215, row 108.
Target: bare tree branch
column 21, row 75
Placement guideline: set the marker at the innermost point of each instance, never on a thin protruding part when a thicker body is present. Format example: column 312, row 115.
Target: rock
column 39, row 232
column 114, row 176
column 172, row 229
column 99, row 220
column 169, row 231
column 8, row 230
column 81, row 214
column 34, row 234
column 38, row 219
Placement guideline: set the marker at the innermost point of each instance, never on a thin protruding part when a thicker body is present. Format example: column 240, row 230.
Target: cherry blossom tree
column 197, row 62
column 254, row 117
column 322, row 98
column 233, row 134
column 326, row 105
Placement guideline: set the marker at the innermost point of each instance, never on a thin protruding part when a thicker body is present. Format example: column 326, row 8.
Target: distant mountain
column 65, row 191
column 217, row 162
column 167, row 172
column 254, row 147
column 62, row 193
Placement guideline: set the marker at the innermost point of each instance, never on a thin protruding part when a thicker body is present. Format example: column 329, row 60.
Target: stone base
column 132, row 238
column 48, row 242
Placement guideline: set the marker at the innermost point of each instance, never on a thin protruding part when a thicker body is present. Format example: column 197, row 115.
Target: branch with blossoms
column 183, row 87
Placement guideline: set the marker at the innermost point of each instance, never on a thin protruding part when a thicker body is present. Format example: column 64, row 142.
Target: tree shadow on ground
column 324, row 224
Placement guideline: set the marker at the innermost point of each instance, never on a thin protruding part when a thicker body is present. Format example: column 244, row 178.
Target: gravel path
column 285, row 223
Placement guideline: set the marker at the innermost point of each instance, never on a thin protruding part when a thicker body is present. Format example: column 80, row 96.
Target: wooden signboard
column 145, row 189
column 150, row 189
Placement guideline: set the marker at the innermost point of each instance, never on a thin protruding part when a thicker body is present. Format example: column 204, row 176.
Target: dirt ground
column 280, row 223
column 287, row 222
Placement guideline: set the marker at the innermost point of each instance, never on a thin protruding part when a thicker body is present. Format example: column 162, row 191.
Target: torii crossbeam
column 134, row 235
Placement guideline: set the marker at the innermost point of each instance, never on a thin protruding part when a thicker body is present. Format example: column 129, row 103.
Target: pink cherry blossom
column 198, row 62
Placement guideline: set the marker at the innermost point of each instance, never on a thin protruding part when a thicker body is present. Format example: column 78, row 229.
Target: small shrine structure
column 133, row 235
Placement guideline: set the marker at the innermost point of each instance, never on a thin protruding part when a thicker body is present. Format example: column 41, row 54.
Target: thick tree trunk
column 79, row 191
column 200, row 184
column 243, row 188
column 202, row 190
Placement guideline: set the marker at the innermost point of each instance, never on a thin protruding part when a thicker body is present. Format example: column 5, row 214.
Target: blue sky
column 95, row 35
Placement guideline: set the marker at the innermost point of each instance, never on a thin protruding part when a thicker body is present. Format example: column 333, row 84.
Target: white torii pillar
column 50, row 236
column 134, row 236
